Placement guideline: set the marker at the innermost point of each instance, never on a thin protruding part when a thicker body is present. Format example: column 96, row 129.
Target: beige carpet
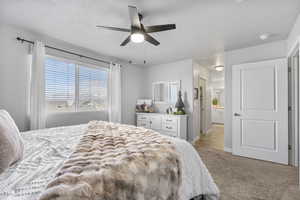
column 240, row 178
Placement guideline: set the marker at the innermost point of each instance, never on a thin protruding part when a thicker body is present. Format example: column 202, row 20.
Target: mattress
column 47, row 149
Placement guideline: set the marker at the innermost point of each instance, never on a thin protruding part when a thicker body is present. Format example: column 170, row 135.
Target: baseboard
column 227, row 149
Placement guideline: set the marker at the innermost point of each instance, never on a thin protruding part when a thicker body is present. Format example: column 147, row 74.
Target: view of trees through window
column 74, row 88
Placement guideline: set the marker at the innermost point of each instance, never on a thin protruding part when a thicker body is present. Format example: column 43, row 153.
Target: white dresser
column 171, row 125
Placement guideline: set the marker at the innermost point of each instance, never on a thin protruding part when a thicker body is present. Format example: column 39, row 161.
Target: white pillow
column 11, row 145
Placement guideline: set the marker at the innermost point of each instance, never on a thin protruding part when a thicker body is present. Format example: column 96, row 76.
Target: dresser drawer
column 143, row 123
column 169, row 120
column 143, row 118
column 171, row 127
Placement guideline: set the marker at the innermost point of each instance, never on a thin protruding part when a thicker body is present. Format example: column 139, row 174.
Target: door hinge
column 289, row 69
column 290, row 147
column 290, row 108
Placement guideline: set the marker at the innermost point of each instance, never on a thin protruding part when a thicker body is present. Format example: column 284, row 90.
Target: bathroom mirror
column 165, row 92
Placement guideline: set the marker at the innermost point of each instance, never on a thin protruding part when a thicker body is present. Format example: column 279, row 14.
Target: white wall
column 294, row 34
column 14, row 64
column 217, row 79
column 181, row 70
column 133, row 88
column 251, row 54
column 13, row 69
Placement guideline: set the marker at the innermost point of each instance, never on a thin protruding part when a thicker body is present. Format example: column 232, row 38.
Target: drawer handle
column 169, row 120
column 168, row 127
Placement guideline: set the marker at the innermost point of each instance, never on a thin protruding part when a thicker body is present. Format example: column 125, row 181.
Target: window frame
column 77, row 64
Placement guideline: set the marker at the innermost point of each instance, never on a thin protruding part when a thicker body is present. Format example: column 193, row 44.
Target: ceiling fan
column 138, row 32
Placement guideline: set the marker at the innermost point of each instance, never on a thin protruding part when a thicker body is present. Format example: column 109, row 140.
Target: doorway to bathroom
column 212, row 101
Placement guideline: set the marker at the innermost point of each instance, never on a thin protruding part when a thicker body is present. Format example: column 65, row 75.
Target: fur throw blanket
column 118, row 162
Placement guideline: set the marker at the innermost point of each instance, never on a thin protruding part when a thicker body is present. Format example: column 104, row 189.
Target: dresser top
column 165, row 114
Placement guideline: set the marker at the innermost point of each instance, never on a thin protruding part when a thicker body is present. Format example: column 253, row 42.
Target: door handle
column 237, row 114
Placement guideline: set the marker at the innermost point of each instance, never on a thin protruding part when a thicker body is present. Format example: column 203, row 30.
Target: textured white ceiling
column 204, row 27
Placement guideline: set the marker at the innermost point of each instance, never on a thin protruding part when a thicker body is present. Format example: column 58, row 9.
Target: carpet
column 241, row 178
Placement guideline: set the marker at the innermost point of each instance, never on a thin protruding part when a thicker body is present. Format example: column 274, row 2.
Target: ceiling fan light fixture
column 138, row 32
column 219, row 68
column 137, row 37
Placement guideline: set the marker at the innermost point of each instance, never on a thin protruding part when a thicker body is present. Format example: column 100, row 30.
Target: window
column 92, row 89
column 72, row 87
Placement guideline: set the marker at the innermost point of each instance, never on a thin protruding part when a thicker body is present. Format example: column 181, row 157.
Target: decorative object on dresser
column 144, row 106
column 169, row 110
column 179, row 105
column 171, row 125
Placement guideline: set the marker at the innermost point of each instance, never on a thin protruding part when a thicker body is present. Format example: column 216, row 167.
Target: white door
column 260, row 110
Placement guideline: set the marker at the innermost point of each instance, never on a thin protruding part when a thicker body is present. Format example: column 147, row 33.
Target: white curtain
column 114, row 105
column 37, row 87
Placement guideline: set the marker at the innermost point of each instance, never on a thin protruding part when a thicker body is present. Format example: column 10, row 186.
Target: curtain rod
column 65, row 51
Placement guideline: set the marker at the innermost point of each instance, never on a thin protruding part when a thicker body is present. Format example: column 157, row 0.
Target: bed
column 46, row 151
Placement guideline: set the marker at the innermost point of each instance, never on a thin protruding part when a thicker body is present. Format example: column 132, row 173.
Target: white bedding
column 46, row 150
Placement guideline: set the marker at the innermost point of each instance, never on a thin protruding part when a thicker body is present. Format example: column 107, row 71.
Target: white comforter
column 46, row 150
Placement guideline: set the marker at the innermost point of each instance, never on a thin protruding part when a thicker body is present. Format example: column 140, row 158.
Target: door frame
column 292, row 50
column 202, row 112
column 295, row 151
column 293, row 107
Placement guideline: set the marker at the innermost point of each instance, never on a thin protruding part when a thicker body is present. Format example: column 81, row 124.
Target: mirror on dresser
column 165, row 92
column 174, row 88
column 160, row 92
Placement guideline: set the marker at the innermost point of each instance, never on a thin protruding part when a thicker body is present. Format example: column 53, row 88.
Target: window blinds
column 60, row 80
column 71, row 87
column 92, row 89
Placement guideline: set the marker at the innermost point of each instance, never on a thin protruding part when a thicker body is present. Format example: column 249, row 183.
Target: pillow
column 11, row 144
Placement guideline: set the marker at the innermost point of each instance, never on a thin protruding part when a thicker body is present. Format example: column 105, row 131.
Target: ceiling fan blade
column 125, row 41
column 158, row 28
column 150, row 39
column 114, row 28
column 134, row 17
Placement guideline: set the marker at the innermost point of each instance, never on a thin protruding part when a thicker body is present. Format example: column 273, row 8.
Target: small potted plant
column 215, row 102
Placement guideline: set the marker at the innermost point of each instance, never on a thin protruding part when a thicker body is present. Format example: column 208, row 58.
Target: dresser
column 171, row 125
